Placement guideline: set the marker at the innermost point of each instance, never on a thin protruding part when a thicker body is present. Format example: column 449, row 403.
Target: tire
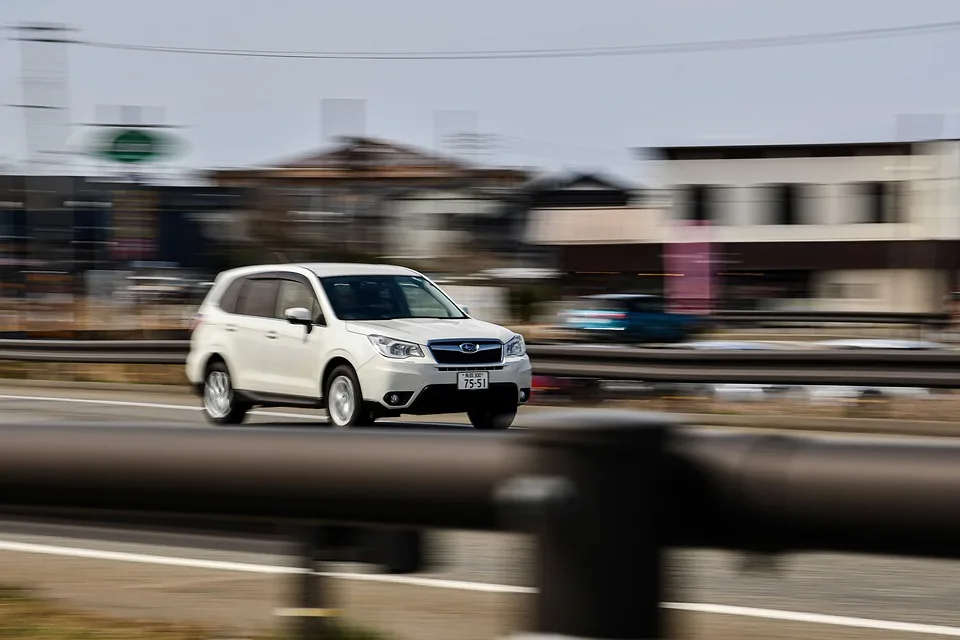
column 220, row 405
column 343, row 400
column 492, row 419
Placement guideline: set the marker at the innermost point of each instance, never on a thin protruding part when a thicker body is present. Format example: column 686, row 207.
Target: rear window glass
column 258, row 298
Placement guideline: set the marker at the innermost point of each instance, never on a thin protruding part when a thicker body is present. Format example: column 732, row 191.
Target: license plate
column 473, row 380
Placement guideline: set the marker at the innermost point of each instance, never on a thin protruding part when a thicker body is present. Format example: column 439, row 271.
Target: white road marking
column 221, row 565
column 176, row 407
column 147, row 405
column 140, row 558
column 696, row 607
column 816, row 618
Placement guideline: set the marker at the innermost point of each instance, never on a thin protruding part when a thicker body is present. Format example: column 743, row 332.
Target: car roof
column 326, row 269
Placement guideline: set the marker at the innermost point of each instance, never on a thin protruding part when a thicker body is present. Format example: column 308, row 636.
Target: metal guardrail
column 604, row 493
column 864, row 367
column 96, row 351
column 830, row 317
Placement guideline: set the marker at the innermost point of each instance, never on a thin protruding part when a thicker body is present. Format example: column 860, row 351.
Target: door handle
column 271, row 335
column 230, row 328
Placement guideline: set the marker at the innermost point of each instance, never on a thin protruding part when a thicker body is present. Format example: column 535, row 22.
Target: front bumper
column 424, row 388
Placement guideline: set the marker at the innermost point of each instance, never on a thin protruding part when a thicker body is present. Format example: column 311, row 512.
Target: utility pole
column 45, row 87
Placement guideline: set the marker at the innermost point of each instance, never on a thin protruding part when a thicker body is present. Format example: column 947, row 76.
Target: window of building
column 883, row 201
column 702, row 203
column 850, row 290
column 785, row 203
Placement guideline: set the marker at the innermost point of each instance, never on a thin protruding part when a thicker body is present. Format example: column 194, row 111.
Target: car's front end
column 449, row 374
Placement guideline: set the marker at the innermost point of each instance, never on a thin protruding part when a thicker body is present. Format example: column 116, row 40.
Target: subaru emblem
column 468, row 347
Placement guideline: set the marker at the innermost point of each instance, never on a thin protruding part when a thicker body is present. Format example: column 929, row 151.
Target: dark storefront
column 179, row 236
column 750, row 272
column 53, row 229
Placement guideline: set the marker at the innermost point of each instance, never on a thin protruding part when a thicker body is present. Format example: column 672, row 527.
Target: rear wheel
column 492, row 419
column 344, row 401
column 220, row 404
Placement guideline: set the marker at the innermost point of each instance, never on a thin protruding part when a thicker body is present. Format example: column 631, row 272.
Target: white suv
column 361, row 341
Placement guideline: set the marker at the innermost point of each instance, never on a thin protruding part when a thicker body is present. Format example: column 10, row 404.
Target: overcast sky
column 575, row 113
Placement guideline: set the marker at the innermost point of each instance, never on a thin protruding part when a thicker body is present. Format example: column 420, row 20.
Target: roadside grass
column 26, row 616
column 165, row 374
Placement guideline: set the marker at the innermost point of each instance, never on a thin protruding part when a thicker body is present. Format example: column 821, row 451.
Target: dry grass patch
column 24, row 616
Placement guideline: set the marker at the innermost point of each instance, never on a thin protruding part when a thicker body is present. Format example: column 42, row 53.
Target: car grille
column 445, row 398
column 452, row 352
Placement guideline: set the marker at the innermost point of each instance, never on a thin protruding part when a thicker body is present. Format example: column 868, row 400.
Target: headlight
column 515, row 347
column 396, row 348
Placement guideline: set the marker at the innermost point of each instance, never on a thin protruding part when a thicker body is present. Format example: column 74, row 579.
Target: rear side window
column 228, row 302
column 258, row 297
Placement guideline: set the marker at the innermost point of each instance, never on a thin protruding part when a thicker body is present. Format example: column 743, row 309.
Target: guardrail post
column 309, row 614
column 598, row 561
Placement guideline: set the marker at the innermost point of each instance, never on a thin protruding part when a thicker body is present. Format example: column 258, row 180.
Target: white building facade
column 856, row 227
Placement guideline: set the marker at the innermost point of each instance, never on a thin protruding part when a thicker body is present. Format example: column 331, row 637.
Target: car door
column 294, row 361
column 251, row 326
column 647, row 320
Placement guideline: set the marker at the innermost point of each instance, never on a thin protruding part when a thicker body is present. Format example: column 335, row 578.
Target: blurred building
column 56, row 229
column 367, row 197
column 858, row 227
column 573, row 217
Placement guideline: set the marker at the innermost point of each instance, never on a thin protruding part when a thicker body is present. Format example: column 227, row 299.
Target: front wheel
column 220, row 405
column 492, row 419
column 344, row 401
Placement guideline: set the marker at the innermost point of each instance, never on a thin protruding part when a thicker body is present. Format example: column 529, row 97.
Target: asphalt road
column 889, row 589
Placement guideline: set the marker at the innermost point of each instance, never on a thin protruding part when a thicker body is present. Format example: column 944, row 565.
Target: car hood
column 423, row 330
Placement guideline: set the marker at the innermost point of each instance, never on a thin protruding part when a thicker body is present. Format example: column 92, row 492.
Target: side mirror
column 466, row 310
column 299, row 315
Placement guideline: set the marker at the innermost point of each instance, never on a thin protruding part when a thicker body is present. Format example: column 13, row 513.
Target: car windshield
column 387, row 298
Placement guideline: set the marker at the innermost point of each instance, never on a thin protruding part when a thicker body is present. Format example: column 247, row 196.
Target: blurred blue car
column 630, row 318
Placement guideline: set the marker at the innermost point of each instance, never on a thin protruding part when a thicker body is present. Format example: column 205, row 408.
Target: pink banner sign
column 689, row 267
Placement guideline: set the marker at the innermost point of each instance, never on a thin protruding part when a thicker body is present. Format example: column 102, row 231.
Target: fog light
column 523, row 395
column 397, row 398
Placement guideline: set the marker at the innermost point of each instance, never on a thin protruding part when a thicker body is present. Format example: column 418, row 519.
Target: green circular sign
column 134, row 145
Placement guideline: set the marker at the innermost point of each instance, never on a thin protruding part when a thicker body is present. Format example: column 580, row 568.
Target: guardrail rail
column 604, row 494
column 863, row 367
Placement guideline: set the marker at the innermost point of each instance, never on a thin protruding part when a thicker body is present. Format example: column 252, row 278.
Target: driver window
column 296, row 294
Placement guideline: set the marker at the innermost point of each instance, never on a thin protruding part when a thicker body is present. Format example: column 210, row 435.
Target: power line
column 586, row 52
